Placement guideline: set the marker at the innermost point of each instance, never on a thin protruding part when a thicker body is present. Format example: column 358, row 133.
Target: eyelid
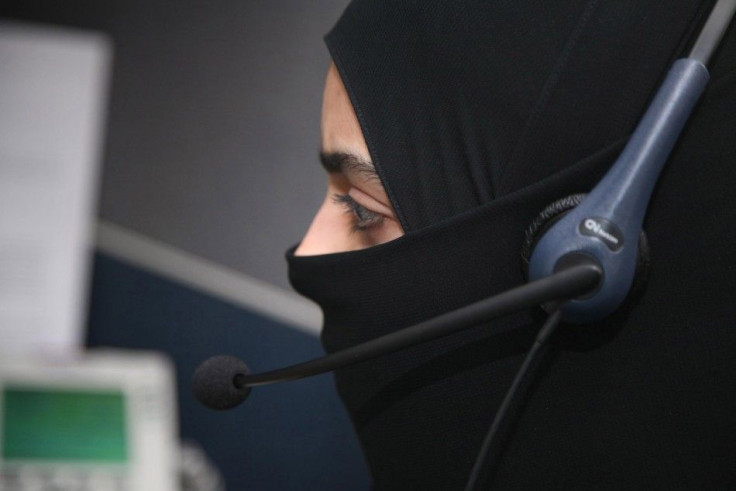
column 376, row 205
column 363, row 217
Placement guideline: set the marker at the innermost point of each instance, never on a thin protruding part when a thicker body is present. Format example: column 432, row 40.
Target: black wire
column 493, row 437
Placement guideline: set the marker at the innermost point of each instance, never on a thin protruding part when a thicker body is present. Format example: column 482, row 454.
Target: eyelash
column 363, row 218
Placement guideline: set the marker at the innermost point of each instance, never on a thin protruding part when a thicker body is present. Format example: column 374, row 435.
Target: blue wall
column 289, row 436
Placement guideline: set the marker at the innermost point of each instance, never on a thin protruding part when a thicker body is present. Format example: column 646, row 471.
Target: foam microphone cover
column 214, row 385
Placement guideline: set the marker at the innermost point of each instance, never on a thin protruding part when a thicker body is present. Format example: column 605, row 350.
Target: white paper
column 53, row 87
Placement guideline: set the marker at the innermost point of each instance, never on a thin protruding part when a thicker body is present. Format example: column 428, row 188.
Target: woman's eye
column 363, row 218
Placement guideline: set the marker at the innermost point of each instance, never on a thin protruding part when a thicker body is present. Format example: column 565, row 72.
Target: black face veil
column 477, row 115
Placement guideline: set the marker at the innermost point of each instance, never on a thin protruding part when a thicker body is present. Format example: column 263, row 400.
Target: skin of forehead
column 341, row 130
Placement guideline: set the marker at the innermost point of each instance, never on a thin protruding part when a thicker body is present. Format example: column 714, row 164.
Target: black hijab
column 477, row 115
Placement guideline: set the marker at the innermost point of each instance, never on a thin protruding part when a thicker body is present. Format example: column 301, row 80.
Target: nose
column 325, row 235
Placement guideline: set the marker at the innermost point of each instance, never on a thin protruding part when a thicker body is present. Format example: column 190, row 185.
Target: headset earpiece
column 548, row 217
column 554, row 212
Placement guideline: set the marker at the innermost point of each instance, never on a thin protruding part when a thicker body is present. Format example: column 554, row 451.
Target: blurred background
column 156, row 160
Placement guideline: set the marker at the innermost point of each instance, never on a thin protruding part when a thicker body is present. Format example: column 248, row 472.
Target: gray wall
column 214, row 121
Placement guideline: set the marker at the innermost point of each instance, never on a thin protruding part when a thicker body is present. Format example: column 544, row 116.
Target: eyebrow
column 334, row 162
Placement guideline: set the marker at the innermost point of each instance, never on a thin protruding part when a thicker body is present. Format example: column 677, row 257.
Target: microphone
column 215, row 382
column 223, row 382
column 585, row 262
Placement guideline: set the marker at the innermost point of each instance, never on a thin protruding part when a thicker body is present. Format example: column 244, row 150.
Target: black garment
column 477, row 115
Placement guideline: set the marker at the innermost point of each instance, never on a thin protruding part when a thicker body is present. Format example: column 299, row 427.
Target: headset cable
column 490, row 450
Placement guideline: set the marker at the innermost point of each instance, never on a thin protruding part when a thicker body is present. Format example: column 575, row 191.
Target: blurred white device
column 53, row 87
column 103, row 422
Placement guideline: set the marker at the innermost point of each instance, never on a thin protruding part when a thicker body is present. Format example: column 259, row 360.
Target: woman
column 446, row 129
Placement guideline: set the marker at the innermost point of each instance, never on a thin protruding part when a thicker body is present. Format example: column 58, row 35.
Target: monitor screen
column 64, row 425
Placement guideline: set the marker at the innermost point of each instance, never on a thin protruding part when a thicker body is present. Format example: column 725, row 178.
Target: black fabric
column 464, row 102
column 478, row 115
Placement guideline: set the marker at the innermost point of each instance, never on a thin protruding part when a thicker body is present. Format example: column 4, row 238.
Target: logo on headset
column 603, row 230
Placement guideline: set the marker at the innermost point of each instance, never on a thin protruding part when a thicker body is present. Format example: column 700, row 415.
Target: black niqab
column 477, row 115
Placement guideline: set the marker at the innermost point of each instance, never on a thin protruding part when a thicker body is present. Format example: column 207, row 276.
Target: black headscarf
column 477, row 114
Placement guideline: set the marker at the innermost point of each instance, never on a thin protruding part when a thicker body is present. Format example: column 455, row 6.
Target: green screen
column 53, row 424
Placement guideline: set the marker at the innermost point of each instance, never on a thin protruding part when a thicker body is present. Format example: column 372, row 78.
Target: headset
column 582, row 255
